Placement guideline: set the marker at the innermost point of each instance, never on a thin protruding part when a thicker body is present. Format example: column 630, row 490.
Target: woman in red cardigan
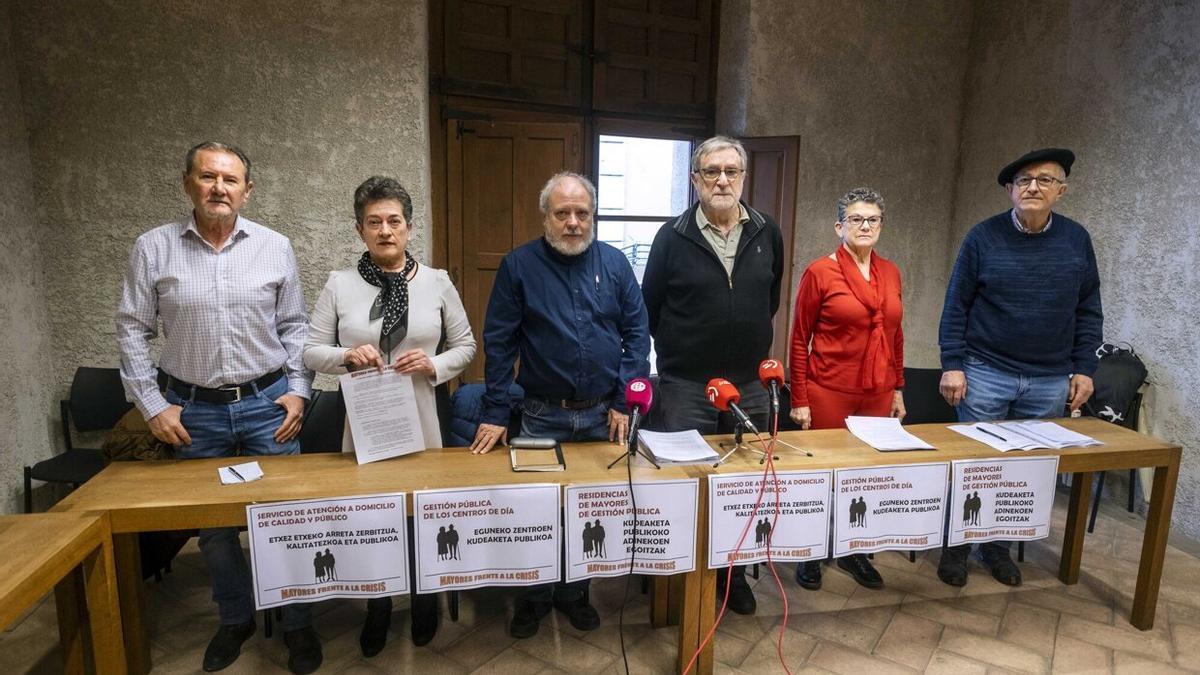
column 847, row 343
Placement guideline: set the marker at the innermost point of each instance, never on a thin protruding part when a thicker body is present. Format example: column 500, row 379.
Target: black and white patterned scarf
column 392, row 301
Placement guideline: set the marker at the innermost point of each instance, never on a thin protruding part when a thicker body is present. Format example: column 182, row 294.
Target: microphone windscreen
column 722, row 393
column 638, row 394
column 770, row 371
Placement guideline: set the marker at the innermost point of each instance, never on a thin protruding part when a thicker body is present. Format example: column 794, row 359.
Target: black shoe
column 424, row 618
column 304, row 650
column 581, row 613
column 226, row 645
column 526, row 618
column 808, row 575
column 374, row 631
column 861, row 569
column 952, row 568
column 1003, row 568
column 741, row 597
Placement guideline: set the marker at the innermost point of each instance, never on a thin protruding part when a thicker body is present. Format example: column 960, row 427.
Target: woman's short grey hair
column 379, row 188
column 190, row 159
column 716, row 144
column 858, row 194
column 544, row 196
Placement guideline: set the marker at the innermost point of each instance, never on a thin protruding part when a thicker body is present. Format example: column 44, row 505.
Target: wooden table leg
column 71, row 608
column 1077, row 512
column 676, row 585
column 127, row 557
column 1154, row 543
column 659, row 591
column 696, row 613
column 104, row 610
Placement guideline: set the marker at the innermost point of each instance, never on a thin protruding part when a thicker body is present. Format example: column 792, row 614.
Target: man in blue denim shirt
column 1021, row 321
column 571, row 309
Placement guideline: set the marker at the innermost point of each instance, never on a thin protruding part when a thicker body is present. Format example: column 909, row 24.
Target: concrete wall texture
column 26, row 399
column 1120, row 84
column 922, row 100
column 320, row 96
column 874, row 90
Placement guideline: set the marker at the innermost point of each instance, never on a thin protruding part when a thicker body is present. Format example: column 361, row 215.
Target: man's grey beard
column 558, row 244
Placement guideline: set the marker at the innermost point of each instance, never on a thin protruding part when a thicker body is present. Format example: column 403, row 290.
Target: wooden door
column 771, row 174
column 495, row 171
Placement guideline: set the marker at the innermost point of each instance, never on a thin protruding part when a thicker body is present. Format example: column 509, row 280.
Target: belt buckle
column 237, row 390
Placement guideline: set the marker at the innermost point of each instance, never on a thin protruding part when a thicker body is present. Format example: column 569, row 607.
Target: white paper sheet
column 382, row 413
column 884, row 434
column 678, row 447
column 240, row 473
column 1024, row 435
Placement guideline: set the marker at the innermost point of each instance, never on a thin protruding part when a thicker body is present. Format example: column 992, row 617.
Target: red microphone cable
column 768, row 470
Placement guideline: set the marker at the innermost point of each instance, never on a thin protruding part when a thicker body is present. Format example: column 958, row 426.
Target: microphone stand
column 633, row 449
column 738, row 430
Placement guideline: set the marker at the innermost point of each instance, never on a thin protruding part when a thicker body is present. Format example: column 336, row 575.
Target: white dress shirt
column 228, row 316
column 341, row 321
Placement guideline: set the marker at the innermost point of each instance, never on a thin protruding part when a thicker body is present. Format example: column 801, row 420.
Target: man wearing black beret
column 1021, row 321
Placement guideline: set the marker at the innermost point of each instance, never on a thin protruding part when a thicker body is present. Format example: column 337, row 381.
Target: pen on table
column 993, row 435
column 234, row 472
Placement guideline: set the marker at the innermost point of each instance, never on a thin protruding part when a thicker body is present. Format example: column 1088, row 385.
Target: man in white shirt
column 230, row 374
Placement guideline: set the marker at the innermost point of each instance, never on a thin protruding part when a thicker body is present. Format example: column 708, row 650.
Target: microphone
column 724, row 396
column 638, row 396
column 770, row 373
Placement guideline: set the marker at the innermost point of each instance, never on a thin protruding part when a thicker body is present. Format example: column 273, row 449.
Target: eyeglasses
column 857, row 221
column 712, row 174
column 1044, row 182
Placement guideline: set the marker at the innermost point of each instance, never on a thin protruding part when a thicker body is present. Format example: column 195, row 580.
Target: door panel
column 771, row 174
column 495, row 171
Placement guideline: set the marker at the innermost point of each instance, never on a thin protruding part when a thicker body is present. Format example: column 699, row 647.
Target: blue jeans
column 219, row 430
column 995, row 394
column 543, row 420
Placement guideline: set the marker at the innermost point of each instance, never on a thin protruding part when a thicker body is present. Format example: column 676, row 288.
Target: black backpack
column 1117, row 380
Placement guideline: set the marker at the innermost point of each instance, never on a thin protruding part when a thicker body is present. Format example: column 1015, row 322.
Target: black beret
column 1064, row 157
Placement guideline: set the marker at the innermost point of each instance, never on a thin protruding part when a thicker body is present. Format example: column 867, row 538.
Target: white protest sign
column 502, row 535
column 1006, row 499
column 801, row 531
column 600, row 533
column 889, row 508
column 351, row 547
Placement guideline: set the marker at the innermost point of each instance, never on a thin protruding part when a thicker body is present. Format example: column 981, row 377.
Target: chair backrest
column 923, row 402
column 324, row 417
column 97, row 399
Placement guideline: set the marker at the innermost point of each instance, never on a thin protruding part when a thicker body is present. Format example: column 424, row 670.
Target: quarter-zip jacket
column 706, row 323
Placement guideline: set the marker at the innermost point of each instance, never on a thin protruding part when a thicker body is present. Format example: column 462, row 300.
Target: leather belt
column 229, row 394
column 569, row 404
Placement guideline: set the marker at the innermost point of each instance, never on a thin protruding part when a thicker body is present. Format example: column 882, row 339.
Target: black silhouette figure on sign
column 762, row 533
column 598, row 539
column 319, row 566
column 858, row 512
column 452, row 542
column 976, row 505
column 967, row 509
column 589, row 542
column 443, row 546
column 329, row 565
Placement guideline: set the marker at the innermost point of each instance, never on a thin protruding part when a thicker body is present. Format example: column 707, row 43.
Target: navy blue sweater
column 1025, row 303
column 578, row 324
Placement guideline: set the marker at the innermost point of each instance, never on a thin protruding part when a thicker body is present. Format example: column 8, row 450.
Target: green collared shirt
column 725, row 246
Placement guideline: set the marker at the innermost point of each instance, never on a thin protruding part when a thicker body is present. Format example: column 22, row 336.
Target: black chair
column 324, row 418
column 923, row 403
column 97, row 402
column 1130, row 418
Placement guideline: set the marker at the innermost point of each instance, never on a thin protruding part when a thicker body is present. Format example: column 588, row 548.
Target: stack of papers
column 677, row 447
column 240, row 473
column 1025, row 435
column 884, row 434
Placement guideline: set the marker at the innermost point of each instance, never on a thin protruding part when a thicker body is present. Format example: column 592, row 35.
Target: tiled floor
column 915, row 624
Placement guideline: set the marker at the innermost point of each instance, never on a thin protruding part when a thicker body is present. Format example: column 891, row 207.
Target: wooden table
column 1122, row 449
column 71, row 553
column 186, row 494
column 144, row 496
